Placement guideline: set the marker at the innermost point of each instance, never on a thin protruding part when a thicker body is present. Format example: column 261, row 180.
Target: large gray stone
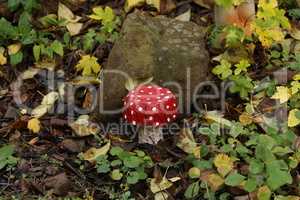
column 166, row 49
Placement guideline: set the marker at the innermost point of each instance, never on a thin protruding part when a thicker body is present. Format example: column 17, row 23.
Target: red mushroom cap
column 150, row 105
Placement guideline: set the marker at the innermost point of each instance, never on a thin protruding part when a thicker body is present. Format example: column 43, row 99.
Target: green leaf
column 278, row 174
column 37, row 52
column 6, row 156
column 234, row 179
column 116, row 151
column 192, row 191
column 102, row 164
column 24, row 24
column 30, row 5
column 116, row 175
column 241, row 67
column 264, row 154
column 13, row 5
column 7, row 30
column 132, row 161
column 16, row 58
column 250, row 185
column 116, row 163
column 88, row 40
column 224, row 3
column 242, row 85
column 256, row 167
column 57, row 47
column 140, row 153
column 234, row 36
column 132, row 178
column 223, row 70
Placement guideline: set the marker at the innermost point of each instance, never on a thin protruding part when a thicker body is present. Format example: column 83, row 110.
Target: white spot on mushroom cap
column 167, row 106
column 149, row 87
column 150, row 118
column 174, row 116
column 157, row 123
column 154, row 109
column 174, row 104
column 168, row 119
column 150, row 93
column 125, row 116
column 134, row 122
column 131, row 112
column 140, row 109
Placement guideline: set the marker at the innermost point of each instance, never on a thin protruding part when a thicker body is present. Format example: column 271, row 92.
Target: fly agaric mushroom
column 151, row 107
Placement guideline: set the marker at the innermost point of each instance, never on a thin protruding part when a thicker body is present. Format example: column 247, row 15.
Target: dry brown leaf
column 83, row 127
column 204, row 3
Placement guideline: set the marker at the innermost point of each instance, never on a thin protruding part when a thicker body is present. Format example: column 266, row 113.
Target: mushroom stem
column 150, row 134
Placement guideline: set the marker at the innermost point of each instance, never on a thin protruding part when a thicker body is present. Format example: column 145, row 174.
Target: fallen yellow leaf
column 283, row 94
column 293, row 119
column 34, row 125
column 74, row 28
column 223, row 163
column 130, row 4
column 245, row 119
column 154, row 3
column 187, row 142
column 297, row 77
column 264, row 193
column 14, row 48
column 156, row 186
column 91, row 154
column 161, row 196
column 64, row 12
column 3, row 59
column 133, row 3
column 72, row 25
column 215, row 181
column 88, row 65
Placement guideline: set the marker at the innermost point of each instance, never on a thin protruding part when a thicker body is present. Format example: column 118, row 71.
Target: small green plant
column 124, row 165
column 26, row 5
column 6, row 157
column 41, row 50
column 270, row 160
column 242, row 85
